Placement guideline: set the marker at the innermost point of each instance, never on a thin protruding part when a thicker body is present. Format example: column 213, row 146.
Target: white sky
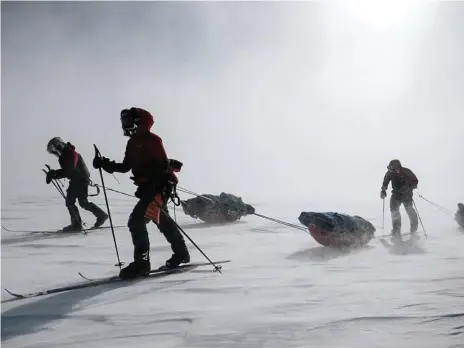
column 257, row 99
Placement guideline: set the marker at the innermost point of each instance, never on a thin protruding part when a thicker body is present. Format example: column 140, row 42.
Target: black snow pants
column 79, row 190
column 137, row 225
column 395, row 203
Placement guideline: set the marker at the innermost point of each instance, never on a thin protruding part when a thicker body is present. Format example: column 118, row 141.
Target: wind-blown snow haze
column 293, row 106
column 259, row 98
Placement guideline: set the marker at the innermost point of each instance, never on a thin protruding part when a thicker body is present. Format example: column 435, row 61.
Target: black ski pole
column 55, row 182
column 383, row 214
column 56, row 186
column 58, row 181
column 97, row 153
column 418, row 215
column 216, row 267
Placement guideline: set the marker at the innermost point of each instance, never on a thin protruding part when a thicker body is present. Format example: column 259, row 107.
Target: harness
column 96, row 186
column 170, row 193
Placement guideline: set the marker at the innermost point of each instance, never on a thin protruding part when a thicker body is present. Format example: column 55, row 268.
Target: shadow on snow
column 36, row 314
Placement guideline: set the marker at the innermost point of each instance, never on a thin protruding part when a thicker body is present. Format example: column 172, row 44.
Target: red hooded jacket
column 145, row 154
column 72, row 165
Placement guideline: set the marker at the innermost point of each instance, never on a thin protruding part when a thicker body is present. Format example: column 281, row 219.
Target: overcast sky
column 259, row 99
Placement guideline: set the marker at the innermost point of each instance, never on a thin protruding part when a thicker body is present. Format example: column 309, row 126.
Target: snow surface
column 281, row 289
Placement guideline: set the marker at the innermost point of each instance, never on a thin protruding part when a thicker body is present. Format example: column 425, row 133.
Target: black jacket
column 72, row 165
column 403, row 182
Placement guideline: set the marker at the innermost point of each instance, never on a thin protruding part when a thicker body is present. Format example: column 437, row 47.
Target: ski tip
column 215, row 264
column 83, row 276
column 13, row 294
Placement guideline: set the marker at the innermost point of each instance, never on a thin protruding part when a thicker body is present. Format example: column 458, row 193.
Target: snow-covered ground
column 281, row 289
column 295, row 106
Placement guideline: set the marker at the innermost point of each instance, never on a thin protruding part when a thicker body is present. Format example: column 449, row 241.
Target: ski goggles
column 393, row 169
column 52, row 149
column 127, row 119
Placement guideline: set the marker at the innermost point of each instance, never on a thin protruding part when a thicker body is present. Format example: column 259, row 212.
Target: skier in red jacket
column 73, row 168
column 146, row 157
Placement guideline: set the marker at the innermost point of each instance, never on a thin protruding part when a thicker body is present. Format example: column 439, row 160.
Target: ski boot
column 413, row 233
column 414, row 236
column 72, row 228
column 177, row 259
column 138, row 268
column 396, row 237
column 101, row 220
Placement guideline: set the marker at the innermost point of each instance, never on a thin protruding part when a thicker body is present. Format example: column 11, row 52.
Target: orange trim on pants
column 154, row 209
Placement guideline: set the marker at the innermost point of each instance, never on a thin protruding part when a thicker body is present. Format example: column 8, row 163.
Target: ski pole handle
column 97, row 151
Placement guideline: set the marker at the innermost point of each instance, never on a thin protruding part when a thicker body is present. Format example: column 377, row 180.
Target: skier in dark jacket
column 73, row 168
column 459, row 216
column 152, row 173
column 403, row 181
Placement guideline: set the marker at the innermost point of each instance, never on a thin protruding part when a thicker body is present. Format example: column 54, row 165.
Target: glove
column 383, row 194
column 103, row 163
column 97, row 162
column 173, row 179
column 50, row 176
column 175, row 165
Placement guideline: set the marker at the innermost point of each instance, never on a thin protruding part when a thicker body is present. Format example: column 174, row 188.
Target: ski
column 385, row 243
column 398, row 243
column 100, row 281
column 161, row 269
column 52, row 232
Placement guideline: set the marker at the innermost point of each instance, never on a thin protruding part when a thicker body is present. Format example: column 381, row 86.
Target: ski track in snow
column 281, row 289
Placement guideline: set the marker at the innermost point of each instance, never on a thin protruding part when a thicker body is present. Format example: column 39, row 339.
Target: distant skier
column 459, row 216
column 73, row 167
column 404, row 181
column 153, row 173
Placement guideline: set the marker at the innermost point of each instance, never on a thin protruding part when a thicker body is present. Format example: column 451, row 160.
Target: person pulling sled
column 153, row 174
column 459, row 216
column 74, row 168
column 403, row 181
